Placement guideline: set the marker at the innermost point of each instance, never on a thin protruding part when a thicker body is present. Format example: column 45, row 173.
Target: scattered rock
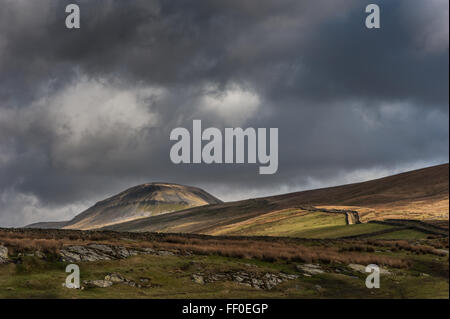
column 165, row 253
column 102, row 248
column 3, row 254
column 122, row 252
column 39, row 254
column 96, row 252
column 318, row 287
column 83, row 253
column 148, row 251
column 265, row 281
column 288, row 276
column 311, row 269
column 198, row 279
column 115, row 278
column 258, row 283
column 358, row 267
column 272, row 280
column 118, row 278
column 385, row 271
column 97, row 283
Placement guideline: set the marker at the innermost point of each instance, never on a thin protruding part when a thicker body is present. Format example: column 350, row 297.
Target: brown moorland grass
column 22, row 245
column 276, row 252
column 261, row 248
column 67, row 237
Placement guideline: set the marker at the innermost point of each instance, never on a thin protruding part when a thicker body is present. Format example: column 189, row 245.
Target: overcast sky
column 87, row 113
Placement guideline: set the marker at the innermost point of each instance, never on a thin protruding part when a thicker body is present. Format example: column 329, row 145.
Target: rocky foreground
column 3, row 255
column 118, row 265
column 103, row 252
column 98, row 252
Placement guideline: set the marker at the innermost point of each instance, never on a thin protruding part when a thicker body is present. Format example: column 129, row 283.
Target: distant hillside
column 421, row 194
column 135, row 203
column 47, row 225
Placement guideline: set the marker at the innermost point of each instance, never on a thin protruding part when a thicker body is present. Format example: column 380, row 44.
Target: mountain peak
column 145, row 200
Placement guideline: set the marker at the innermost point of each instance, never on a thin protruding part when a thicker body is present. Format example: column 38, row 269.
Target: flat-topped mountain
column 137, row 202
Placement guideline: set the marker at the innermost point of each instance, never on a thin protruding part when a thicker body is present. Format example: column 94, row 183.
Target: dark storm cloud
column 85, row 113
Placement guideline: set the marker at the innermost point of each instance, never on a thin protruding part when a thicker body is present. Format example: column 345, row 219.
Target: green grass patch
column 342, row 231
column 170, row 277
column 292, row 225
column 402, row 234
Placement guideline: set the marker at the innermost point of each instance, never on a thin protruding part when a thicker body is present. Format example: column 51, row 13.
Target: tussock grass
column 405, row 245
column 261, row 248
column 22, row 245
column 278, row 251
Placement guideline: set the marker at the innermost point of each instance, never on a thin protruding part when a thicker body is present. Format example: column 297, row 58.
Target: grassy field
column 343, row 230
column 291, row 223
column 402, row 234
column 417, row 268
column 170, row 277
column 306, row 224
